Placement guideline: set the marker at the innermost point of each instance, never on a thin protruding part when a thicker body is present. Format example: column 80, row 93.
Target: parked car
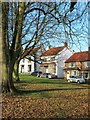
column 36, row 73
column 48, row 75
column 76, row 79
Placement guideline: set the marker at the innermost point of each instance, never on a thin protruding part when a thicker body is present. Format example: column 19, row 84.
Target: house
column 53, row 60
column 31, row 62
column 26, row 65
column 78, row 65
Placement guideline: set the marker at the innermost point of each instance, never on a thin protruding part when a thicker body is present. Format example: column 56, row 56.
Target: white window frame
column 72, row 64
column 52, row 58
column 75, row 73
column 87, row 64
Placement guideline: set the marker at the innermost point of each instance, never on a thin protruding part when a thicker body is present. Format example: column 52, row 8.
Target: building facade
column 31, row 62
column 53, row 60
column 78, row 65
column 26, row 65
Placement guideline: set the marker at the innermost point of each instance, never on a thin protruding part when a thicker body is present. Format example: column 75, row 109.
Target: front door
column 47, row 70
column 22, row 68
column 68, row 74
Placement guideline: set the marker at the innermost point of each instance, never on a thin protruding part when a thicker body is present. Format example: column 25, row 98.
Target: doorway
column 68, row 74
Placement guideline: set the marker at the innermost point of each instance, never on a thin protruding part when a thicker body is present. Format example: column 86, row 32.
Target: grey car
column 76, row 79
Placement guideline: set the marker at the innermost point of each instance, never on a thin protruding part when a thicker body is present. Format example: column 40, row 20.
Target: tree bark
column 16, row 72
column 5, row 78
column 11, row 83
column 11, row 52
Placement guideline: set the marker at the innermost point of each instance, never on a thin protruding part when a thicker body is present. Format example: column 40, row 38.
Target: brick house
column 53, row 60
column 78, row 65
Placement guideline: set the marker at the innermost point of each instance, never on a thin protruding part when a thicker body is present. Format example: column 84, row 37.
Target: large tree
column 11, row 50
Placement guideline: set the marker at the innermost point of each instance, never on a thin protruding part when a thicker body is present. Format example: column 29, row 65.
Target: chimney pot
column 65, row 44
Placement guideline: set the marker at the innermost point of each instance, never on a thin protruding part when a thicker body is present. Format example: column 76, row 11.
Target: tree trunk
column 16, row 72
column 5, row 78
column 7, row 63
column 10, row 53
column 11, row 83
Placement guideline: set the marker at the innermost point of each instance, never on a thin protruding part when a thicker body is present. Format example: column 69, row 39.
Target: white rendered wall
column 26, row 63
column 60, row 61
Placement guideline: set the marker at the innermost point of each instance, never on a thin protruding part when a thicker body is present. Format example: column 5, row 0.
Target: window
column 48, row 59
column 44, row 59
column 29, row 68
column 54, row 68
column 87, row 64
column 75, row 73
column 72, row 64
column 53, row 58
column 23, row 60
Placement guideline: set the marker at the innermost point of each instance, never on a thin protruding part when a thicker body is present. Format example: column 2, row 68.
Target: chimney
column 89, row 48
column 49, row 46
column 65, row 44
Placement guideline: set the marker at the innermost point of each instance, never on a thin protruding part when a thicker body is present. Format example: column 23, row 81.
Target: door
column 47, row 70
column 29, row 68
column 68, row 74
column 22, row 69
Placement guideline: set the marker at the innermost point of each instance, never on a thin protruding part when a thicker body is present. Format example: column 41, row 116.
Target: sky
column 79, row 41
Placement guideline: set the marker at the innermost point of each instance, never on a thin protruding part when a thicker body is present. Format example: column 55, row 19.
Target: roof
column 79, row 57
column 53, row 51
column 31, row 51
column 34, row 50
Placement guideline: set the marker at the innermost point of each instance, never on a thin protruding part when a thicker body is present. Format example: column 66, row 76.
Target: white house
column 53, row 60
column 26, row 66
column 31, row 62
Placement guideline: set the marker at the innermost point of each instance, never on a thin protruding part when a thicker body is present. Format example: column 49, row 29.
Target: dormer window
column 72, row 64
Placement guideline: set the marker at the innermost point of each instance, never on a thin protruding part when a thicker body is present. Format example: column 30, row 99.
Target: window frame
column 72, row 64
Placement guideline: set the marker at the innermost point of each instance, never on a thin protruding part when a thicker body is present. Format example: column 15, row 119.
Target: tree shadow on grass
column 49, row 81
column 43, row 82
column 22, row 91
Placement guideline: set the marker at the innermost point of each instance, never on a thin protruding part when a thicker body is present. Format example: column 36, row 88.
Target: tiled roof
column 53, row 51
column 79, row 56
column 34, row 50
column 31, row 51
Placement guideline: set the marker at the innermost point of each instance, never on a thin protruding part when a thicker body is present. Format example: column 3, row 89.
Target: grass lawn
column 46, row 98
